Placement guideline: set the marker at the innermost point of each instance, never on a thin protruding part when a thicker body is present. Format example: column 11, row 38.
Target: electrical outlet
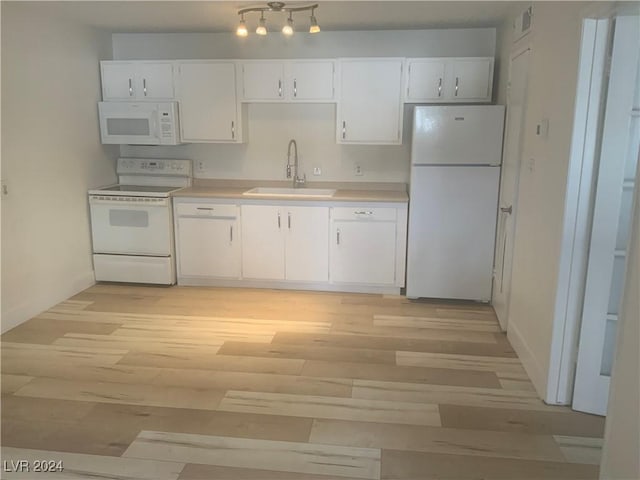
column 317, row 171
column 201, row 167
column 357, row 170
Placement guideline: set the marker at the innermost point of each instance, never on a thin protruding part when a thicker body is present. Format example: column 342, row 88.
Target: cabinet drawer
column 206, row 210
column 363, row 213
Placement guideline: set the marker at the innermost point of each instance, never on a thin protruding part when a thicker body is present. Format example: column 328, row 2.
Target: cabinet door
column 363, row 252
column 470, row 79
column 155, row 81
column 370, row 109
column 310, row 80
column 262, row 242
column 425, row 80
column 207, row 95
column 118, row 81
column 263, row 81
column 208, row 247
column 307, row 243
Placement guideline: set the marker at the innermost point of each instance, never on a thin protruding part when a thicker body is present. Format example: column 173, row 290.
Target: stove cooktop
column 135, row 190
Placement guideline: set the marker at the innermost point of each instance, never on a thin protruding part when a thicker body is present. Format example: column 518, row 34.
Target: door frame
column 578, row 215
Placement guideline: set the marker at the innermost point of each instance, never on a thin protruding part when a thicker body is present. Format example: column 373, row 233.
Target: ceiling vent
column 522, row 24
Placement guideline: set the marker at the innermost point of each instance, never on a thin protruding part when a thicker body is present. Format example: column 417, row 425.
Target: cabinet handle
column 440, row 87
column 144, row 86
column 233, row 130
column 231, row 233
column 130, row 87
column 278, row 219
column 457, row 81
column 363, row 212
column 295, row 87
column 279, row 88
column 344, row 129
column 289, row 220
column 204, row 208
column 338, row 236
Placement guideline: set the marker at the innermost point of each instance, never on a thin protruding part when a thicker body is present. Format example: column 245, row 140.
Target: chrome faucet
column 297, row 181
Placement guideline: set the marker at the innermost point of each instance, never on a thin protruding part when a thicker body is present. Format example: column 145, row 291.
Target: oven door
column 131, row 225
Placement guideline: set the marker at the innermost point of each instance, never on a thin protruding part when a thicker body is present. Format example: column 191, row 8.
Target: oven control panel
column 154, row 166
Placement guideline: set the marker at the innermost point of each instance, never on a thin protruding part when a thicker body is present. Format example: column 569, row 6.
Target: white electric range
column 132, row 221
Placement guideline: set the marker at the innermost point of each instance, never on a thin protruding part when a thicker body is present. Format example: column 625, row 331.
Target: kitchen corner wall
column 271, row 126
column 51, row 156
column 553, row 69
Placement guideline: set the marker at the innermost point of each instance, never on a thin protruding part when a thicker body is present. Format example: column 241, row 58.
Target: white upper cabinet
column 433, row 80
column 288, row 81
column 310, row 81
column 137, row 81
column 262, row 81
column 370, row 101
column 209, row 110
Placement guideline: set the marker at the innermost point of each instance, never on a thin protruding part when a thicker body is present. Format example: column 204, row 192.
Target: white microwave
column 139, row 123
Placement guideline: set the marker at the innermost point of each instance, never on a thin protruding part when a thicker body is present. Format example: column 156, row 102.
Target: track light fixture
column 277, row 7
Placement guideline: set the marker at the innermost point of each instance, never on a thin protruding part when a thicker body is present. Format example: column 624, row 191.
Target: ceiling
column 221, row 16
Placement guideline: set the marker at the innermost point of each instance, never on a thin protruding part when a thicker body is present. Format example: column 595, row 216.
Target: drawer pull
column 231, row 233
column 204, row 208
column 338, row 236
column 363, row 212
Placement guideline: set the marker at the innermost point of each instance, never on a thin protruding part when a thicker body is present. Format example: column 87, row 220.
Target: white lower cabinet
column 363, row 245
column 343, row 247
column 285, row 243
column 208, row 240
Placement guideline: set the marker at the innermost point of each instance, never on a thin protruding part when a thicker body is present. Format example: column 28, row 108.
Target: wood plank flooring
column 140, row 382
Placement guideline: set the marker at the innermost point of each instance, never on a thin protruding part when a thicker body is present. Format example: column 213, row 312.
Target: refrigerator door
column 452, row 225
column 457, row 135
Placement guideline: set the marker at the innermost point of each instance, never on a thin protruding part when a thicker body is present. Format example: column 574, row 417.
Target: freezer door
column 452, row 225
column 457, row 135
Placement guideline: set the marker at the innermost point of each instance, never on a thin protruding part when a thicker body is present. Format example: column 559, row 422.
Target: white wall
column 271, row 126
column 51, row 155
column 555, row 42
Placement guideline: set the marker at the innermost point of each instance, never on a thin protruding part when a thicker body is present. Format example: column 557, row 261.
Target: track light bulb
column 242, row 31
column 288, row 28
column 262, row 26
column 314, row 28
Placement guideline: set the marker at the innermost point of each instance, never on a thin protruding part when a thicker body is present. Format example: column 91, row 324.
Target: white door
column 263, row 242
column 311, row 80
column 361, row 120
column 208, row 247
column 469, row 79
column 207, row 101
column 307, row 244
column 363, row 252
column 516, row 107
column 118, row 81
column 611, row 220
column 155, row 81
column 263, row 81
column 425, row 79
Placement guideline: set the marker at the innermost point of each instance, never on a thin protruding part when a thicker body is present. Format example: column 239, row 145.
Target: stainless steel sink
column 290, row 192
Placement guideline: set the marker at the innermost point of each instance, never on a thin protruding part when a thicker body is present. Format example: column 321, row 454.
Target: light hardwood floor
column 137, row 382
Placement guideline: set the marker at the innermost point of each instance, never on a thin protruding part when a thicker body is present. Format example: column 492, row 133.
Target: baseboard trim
column 281, row 285
column 529, row 362
column 19, row 314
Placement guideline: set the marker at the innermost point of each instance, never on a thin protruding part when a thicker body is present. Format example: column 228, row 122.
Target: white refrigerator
column 453, row 200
